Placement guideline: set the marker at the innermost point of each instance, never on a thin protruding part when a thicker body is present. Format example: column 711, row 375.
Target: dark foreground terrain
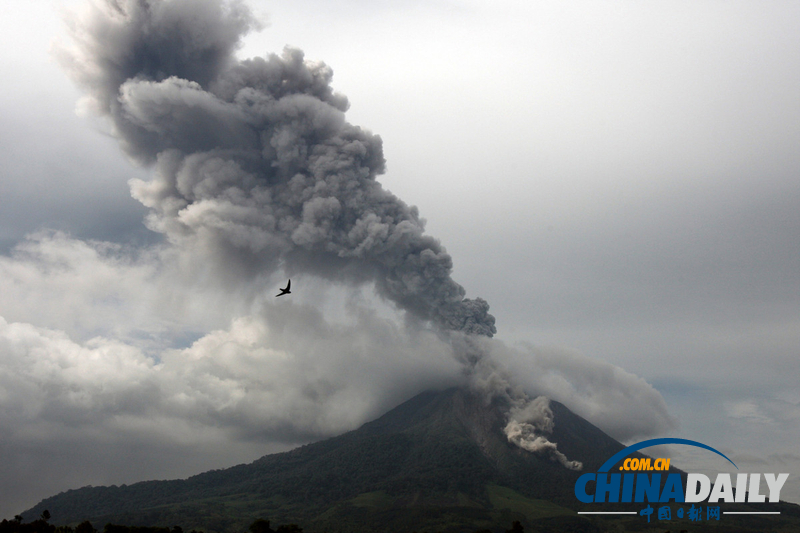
column 438, row 462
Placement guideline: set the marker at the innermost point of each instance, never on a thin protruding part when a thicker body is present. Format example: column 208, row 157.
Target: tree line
column 42, row 525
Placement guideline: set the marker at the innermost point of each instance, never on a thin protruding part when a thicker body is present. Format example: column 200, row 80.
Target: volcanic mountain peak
column 438, row 462
column 438, row 452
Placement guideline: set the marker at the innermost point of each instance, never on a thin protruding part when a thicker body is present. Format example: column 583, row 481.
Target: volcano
column 438, row 462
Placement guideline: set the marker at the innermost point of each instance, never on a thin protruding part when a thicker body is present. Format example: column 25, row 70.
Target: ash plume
column 527, row 427
column 528, row 421
column 256, row 167
column 257, row 170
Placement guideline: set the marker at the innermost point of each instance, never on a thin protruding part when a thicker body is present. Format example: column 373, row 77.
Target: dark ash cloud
column 256, row 166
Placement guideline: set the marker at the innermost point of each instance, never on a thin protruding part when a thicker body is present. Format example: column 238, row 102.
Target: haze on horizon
column 617, row 181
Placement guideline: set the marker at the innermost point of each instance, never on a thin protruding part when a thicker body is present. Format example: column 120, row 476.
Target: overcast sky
column 619, row 181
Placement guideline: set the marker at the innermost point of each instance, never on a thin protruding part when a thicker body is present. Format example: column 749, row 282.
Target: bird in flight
column 286, row 290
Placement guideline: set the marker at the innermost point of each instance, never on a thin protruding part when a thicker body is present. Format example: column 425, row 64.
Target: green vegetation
column 506, row 498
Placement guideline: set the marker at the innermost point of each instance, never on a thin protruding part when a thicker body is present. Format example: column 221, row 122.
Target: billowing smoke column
column 528, row 425
column 528, row 422
column 255, row 162
column 257, row 169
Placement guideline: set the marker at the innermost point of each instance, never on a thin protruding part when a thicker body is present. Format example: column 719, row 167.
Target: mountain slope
column 437, row 462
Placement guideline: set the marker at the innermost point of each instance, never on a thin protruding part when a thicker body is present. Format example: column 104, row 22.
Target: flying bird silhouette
column 286, row 290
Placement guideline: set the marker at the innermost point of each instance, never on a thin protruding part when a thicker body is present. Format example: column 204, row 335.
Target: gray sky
column 617, row 180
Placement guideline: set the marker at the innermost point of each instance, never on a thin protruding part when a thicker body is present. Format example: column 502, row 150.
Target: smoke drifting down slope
column 256, row 170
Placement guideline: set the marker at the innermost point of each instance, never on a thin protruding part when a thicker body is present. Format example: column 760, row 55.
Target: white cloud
column 261, row 378
column 747, row 410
